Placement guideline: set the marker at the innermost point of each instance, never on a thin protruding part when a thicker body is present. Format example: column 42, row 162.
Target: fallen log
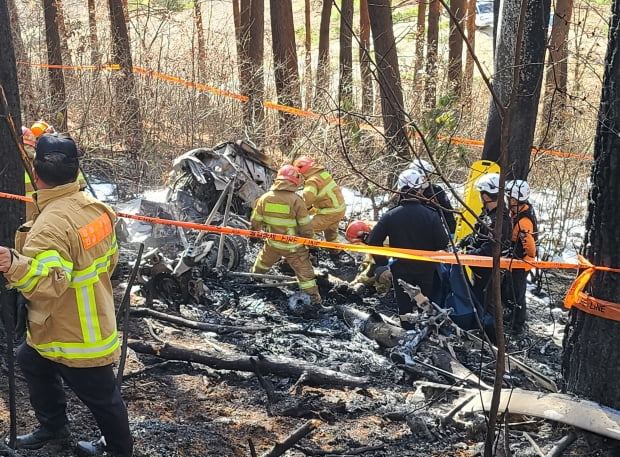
column 580, row 413
column 219, row 329
column 297, row 435
column 280, row 366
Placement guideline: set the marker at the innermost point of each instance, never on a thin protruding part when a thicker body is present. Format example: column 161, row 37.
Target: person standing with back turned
column 62, row 264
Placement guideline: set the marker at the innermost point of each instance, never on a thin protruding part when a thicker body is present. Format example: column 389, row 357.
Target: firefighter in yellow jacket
column 323, row 198
column 62, row 264
column 282, row 211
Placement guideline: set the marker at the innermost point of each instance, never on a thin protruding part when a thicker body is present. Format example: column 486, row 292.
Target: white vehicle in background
column 484, row 14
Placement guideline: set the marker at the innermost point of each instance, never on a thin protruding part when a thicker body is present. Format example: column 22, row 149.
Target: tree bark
column 95, row 53
column 518, row 68
column 345, row 88
column 200, row 35
column 58, row 108
column 468, row 76
column 285, row 67
column 388, row 77
column 455, row 53
column 321, row 91
column 556, row 82
column 590, row 361
column 419, row 44
column 364, row 58
column 308, row 57
column 24, row 75
column 125, row 83
column 12, row 176
column 432, row 43
column 62, row 32
column 279, row 366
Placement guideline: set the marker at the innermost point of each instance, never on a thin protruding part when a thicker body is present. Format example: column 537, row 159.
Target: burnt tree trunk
column 321, row 90
column 125, row 84
column 200, row 36
column 364, row 58
column 345, row 87
column 455, row 53
column 285, row 67
column 468, row 75
column 12, row 176
column 58, row 101
column 590, row 361
column 388, row 77
column 518, row 68
column 432, row 43
column 556, row 81
column 62, row 32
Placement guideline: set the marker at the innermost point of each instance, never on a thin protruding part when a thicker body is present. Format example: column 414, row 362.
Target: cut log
column 281, row 366
column 289, row 442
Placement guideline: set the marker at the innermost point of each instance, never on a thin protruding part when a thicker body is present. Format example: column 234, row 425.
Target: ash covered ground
column 181, row 408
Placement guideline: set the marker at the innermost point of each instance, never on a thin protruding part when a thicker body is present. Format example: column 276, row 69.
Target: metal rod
column 220, row 248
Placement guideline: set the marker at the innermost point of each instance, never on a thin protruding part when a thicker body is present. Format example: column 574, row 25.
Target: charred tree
column 455, row 52
column 285, row 66
column 62, row 32
column 388, row 77
column 590, row 361
column 12, row 176
column 345, row 87
column 126, row 96
column 321, row 90
column 519, row 59
column 95, row 52
column 432, row 43
column 364, row 58
column 58, row 102
column 556, row 81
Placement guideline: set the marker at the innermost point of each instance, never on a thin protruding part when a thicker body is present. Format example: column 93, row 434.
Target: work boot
column 97, row 448
column 42, row 436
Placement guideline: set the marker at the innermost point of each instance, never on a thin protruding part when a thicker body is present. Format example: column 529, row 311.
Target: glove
column 363, row 236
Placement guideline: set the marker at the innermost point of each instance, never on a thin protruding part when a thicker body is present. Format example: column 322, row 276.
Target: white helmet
column 412, row 179
column 518, row 189
column 422, row 166
column 488, row 183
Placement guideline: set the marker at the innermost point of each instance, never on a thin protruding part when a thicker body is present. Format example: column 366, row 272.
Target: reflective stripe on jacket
column 282, row 211
column 62, row 265
column 322, row 192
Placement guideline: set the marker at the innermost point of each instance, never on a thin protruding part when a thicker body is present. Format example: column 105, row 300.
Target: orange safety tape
column 289, row 109
column 598, row 307
column 409, row 254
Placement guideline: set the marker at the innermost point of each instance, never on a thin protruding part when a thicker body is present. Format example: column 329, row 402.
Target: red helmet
column 289, row 173
column 303, row 164
column 355, row 230
column 28, row 137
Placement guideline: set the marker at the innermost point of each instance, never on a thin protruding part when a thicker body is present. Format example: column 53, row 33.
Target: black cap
column 53, row 144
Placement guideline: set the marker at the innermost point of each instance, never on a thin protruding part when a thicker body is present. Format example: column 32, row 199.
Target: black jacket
column 411, row 225
column 481, row 241
column 438, row 197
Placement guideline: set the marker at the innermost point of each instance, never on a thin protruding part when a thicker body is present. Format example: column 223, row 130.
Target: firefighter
column 435, row 194
column 62, row 264
column 324, row 200
column 523, row 247
column 369, row 275
column 482, row 240
column 410, row 225
column 282, row 211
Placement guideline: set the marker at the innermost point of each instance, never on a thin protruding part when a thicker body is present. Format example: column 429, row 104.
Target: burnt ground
column 180, row 408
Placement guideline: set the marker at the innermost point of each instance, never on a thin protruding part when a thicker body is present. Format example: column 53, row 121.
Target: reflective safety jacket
column 322, row 192
column 31, row 209
column 62, row 264
column 524, row 232
column 282, row 211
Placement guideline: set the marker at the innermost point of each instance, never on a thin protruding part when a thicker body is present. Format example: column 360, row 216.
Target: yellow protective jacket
column 282, row 211
column 322, row 192
column 62, row 264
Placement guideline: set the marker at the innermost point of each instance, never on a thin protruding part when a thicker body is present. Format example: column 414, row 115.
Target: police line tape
column 400, row 253
column 289, row 109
